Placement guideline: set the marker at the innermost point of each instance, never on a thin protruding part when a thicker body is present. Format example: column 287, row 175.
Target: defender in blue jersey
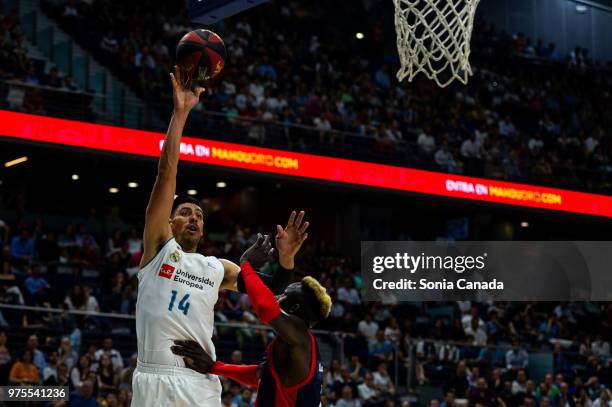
column 293, row 352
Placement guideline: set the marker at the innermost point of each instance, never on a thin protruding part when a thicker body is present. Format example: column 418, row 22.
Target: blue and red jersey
column 307, row 393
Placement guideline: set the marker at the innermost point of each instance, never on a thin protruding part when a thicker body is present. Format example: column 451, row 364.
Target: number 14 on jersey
column 183, row 304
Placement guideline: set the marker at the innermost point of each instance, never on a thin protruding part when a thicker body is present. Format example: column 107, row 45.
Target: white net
column 433, row 37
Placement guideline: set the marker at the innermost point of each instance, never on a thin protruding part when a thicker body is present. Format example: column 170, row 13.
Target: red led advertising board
column 197, row 150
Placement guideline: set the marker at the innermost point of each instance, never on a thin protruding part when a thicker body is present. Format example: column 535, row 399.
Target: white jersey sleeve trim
column 159, row 250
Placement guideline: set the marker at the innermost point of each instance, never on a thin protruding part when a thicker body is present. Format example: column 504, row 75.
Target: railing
column 438, row 364
column 363, row 146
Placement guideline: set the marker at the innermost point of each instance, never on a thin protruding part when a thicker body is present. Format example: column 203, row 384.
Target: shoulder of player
column 148, row 258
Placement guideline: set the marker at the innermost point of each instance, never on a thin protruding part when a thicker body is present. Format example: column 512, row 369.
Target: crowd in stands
column 478, row 354
column 528, row 114
column 25, row 83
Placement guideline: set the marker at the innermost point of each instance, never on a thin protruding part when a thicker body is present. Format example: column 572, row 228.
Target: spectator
column 482, row 395
column 392, row 331
column 24, row 372
column 348, row 295
column 604, row 399
column 128, row 372
column 367, row 327
column 80, row 372
column 50, row 371
column 244, row 399
column 84, row 396
column 134, row 241
column 449, row 399
column 426, row 141
column 381, row 350
column 61, row 378
column 347, row 399
column 5, row 360
column 519, row 385
column 477, row 332
column 444, row 158
column 600, row 348
column 37, row 287
column 22, row 247
column 53, row 79
column 383, row 382
column 113, row 354
column 37, row 356
column 90, row 302
column 516, row 358
column 368, row 391
column 107, row 378
column 144, row 60
column 109, row 43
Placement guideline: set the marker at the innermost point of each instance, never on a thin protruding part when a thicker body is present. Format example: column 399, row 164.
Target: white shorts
column 167, row 386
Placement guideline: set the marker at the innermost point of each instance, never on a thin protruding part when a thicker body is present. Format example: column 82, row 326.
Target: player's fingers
column 303, row 227
column 299, row 219
column 291, row 219
column 186, row 342
column 272, row 254
column 279, row 231
column 173, row 80
column 179, row 350
column 259, row 240
column 199, row 91
column 304, row 237
column 185, row 352
column 266, row 243
column 177, row 74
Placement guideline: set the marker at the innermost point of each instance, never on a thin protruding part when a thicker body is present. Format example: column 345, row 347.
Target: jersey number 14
column 183, row 304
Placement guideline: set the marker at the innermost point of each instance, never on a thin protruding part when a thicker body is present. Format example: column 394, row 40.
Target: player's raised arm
column 157, row 228
column 289, row 240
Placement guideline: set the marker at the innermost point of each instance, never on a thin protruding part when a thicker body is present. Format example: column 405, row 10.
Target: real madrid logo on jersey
column 175, row 256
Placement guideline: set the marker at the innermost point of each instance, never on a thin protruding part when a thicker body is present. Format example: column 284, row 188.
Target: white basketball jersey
column 177, row 292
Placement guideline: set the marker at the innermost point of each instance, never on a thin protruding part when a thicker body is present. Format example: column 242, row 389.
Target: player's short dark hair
column 181, row 199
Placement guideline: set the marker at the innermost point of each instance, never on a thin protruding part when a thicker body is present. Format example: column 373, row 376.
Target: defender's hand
column 184, row 98
column 194, row 355
column 290, row 239
column 260, row 253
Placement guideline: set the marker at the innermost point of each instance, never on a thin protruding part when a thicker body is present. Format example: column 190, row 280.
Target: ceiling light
column 75, row 177
column 524, row 224
column 192, row 191
column 221, row 184
column 359, row 36
column 133, row 184
column 113, row 190
column 16, row 161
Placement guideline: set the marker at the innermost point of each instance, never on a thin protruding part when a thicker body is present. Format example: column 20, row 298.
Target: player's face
column 289, row 300
column 188, row 223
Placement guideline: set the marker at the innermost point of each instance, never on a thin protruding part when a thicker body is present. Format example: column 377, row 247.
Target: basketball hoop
column 433, row 37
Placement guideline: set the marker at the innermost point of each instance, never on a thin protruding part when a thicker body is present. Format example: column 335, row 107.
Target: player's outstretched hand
column 290, row 239
column 194, row 355
column 184, row 98
column 259, row 253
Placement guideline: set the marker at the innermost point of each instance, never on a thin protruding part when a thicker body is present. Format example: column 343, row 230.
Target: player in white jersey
column 178, row 287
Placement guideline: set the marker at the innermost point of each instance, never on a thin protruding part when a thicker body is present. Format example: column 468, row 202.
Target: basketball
column 200, row 55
